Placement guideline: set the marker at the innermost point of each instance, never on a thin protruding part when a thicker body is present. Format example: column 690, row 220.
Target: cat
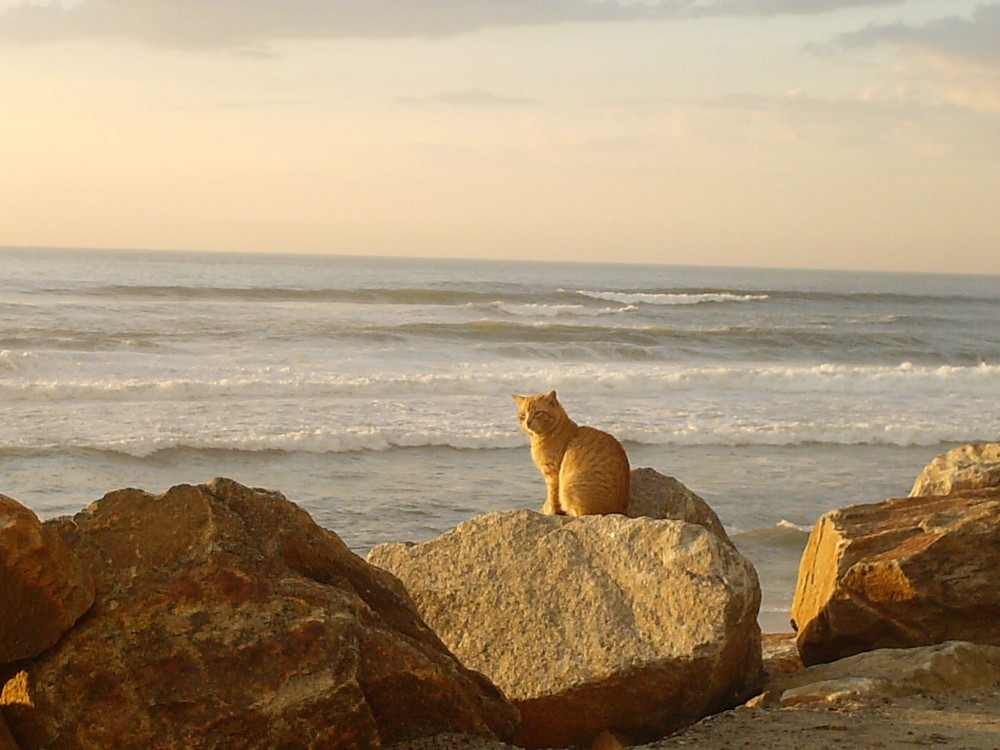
column 586, row 471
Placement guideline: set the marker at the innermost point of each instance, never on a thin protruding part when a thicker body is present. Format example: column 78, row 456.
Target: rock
column 900, row 573
column 892, row 673
column 658, row 496
column 780, row 655
column 591, row 623
column 968, row 467
column 6, row 741
column 452, row 742
column 608, row 740
column 43, row 587
column 226, row 618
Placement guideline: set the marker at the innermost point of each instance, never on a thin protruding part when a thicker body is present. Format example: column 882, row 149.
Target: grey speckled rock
column 658, row 496
column 892, row 673
column 591, row 623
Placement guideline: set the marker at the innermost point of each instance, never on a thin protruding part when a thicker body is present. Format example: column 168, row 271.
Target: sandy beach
column 964, row 720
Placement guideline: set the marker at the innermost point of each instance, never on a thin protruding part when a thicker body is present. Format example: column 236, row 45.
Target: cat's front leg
column 551, row 506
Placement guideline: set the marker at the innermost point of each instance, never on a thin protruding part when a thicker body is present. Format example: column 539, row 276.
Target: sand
column 963, row 720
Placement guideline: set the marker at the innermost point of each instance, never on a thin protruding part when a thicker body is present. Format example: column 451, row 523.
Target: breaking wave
column 490, row 379
column 649, row 298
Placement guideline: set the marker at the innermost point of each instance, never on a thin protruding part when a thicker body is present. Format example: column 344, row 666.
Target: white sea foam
column 208, row 431
column 493, row 378
column 534, row 310
column 672, row 299
column 784, row 524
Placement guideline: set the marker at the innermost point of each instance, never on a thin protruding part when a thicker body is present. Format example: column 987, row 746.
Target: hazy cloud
column 976, row 39
column 246, row 24
column 777, row 7
column 886, row 119
column 474, row 97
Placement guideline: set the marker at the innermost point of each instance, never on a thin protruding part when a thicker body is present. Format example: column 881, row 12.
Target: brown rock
column 226, row 618
column 658, row 496
column 6, row 741
column 780, row 655
column 43, row 587
column 592, row 623
column 968, row 467
column 903, row 572
column 452, row 742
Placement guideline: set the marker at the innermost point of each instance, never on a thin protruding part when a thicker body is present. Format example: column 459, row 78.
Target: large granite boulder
column 904, row 572
column 43, row 587
column 890, row 673
column 226, row 618
column 658, row 496
column 968, row 467
column 599, row 622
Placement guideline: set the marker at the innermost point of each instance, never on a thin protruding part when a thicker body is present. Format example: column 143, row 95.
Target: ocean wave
column 672, row 298
column 12, row 360
column 783, row 533
column 672, row 342
column 491, row 379
column 783, row 524
column 450, row 295
column 545, row 310
column 370, row 295
column 783, row 435
column 317, row 442
column 347, row 440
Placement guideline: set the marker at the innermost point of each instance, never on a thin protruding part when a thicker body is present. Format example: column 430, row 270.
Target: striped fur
column 586, row 471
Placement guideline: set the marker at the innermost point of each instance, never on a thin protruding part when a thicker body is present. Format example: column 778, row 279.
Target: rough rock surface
column 658, row 496
column 43, row 587
column 900, row 573
column 226, row 618
column 6, row 741
column 452, row 742
column 591, row 623
column 780, row 655
column 968, row 467
column 891, row 673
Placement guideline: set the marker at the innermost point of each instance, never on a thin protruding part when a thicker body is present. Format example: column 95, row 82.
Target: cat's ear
column 519, row 399
column 552, row 397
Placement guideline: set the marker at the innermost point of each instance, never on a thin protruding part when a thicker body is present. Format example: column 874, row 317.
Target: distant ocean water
column 376, row 391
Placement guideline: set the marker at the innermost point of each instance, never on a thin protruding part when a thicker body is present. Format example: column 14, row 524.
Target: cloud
column 953, row 60
column 474, row 97
column 895, row 120
column 247, row 24
column 776, row 7
column 975, row 39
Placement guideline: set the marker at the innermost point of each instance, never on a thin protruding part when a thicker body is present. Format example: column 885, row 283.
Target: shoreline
column 775, row 624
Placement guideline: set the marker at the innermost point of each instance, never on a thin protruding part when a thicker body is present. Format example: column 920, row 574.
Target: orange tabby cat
column 586, row 471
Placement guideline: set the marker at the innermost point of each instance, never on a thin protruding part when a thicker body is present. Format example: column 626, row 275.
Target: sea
column 376, row 392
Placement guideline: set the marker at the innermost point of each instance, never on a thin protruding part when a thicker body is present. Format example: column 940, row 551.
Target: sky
column 860, row 134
